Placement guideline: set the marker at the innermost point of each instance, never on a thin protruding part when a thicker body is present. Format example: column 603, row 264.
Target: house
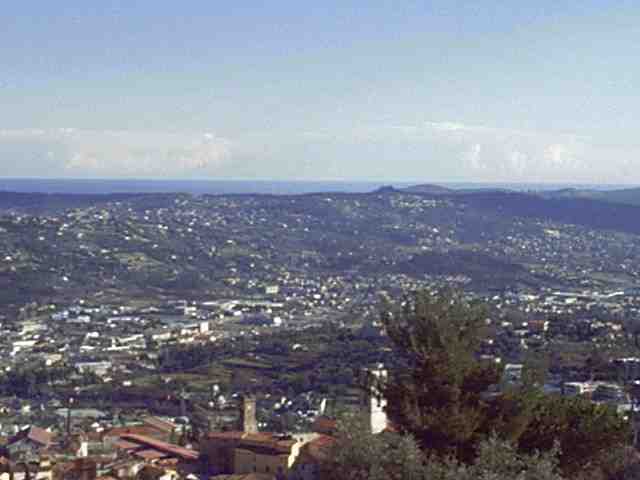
column 29, row 443
column 168, row 460
column 98, row 367
column 245, row 453
column 248, row 451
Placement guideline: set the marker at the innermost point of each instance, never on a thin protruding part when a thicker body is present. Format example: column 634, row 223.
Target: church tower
column 248, row 420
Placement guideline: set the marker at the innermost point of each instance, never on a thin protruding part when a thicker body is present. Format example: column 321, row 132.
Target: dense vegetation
column 458, row 410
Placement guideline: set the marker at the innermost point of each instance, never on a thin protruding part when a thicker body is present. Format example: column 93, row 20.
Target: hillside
column 185, row 245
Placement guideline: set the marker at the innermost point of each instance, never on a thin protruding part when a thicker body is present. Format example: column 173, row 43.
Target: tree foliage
column 440, row 397
column 448, row 400
column 358, row 455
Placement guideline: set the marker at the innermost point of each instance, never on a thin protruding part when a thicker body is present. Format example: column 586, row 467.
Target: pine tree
column 440, row 397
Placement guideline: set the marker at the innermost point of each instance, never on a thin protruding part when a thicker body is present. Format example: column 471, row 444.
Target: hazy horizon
column 471, row 92
column 261, row 186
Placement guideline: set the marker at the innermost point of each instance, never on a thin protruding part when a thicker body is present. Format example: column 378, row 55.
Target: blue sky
column 428, row 91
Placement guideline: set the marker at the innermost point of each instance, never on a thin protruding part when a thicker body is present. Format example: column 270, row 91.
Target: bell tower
column 248, row 421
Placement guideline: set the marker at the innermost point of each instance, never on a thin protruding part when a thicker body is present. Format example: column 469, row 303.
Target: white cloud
column 472, row 157
column 121, row 153
column 431, row 150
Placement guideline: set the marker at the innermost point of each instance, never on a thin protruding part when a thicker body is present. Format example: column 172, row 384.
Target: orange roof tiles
column 159, row 424
column 35, row 434
column 135, row 430
column 173, row 450
column 150, row 454
column 320, row 448
column 124, row 445
column 256, row 440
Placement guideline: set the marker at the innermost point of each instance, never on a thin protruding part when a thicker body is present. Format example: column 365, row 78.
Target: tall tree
column 440, row 395
column 445, row 397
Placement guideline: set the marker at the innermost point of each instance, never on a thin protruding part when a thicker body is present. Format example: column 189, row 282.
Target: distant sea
column 219, row 187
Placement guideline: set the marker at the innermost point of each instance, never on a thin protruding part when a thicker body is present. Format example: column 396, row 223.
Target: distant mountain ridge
column 429, row 188
column 626, row 196
column 434, row 189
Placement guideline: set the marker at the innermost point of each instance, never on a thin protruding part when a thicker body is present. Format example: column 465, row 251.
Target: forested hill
column 591, row 213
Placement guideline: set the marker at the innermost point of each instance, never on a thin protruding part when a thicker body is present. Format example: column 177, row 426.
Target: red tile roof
column 35, row 434
column 262, row 440
column 168, row 448
column 159, row 424
column 150, row 454
column 145, row 430
column 320, row 448
column 124, row 445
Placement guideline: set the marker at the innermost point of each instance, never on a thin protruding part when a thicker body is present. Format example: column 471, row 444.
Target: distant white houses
column 99, row 368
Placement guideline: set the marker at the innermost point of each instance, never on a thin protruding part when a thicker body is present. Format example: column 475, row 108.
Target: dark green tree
column 359, row 455
column 446, row 398
column 585, row 431
column 440, row 395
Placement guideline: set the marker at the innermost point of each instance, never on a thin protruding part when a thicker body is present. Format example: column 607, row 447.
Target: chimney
column 248, row 422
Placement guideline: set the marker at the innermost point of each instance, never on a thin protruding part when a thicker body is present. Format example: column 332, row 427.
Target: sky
column 478, row 91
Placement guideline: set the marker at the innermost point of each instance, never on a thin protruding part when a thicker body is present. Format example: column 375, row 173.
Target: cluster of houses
column 153, row 448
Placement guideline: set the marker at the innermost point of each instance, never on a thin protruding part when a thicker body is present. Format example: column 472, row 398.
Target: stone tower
column 248, row 421
column 373, row 402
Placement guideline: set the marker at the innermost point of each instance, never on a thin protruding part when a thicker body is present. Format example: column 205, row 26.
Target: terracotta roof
column 145, row 430
column 124, row 445
column 262, row 440
column 159, row 424
column 168, row 448
column 150, row 454
column 226, row 435
column 35, row 434
column 320, row 448
column 267, row 440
